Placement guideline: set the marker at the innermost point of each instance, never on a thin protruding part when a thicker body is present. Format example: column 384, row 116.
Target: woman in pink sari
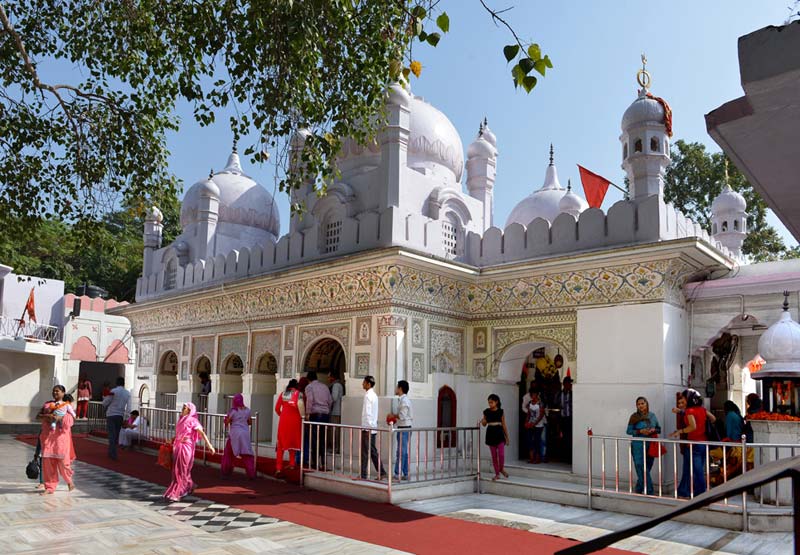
column 238, row 444
column 187, row 432
column 57, row 450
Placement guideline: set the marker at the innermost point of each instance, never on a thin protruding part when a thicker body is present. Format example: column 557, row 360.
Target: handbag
column 32, row 470
column 165, row 456
column 655, row 449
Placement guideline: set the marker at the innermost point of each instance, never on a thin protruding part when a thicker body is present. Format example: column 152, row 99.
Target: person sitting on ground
column 130, row 430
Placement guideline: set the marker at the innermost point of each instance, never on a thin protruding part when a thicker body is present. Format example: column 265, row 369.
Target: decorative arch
column 233, row 364
column 201, row 364
column 446, row 199
column 144, row 396
column 168, row 364
column 117, row 352
column 560, row 336
column 327, row 354
column 83, row 349
column 446, row 417
column 266, row 364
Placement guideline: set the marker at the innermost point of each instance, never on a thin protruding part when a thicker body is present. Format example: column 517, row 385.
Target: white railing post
column 589, row 469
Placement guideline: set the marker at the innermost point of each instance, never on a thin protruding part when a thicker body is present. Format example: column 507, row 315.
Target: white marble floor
column 126, row 519
column 669, row 538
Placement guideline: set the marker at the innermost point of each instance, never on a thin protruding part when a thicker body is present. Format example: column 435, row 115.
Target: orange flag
column 594, row 186
column 30, row 308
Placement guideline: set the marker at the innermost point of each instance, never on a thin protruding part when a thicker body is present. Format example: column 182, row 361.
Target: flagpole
column 24, row 310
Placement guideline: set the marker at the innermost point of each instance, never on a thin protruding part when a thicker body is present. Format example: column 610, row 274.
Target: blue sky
column 691, row 47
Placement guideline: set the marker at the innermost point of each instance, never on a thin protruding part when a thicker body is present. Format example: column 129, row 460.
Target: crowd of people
column 310, row 400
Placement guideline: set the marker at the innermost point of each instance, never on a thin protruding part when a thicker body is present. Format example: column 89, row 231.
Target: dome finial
column 786, row 301
column 211, row 173
column 643, row 76
column 480, row 129
column 569, row 185
column 551, row 154
column 727, row 181
column 234, row 145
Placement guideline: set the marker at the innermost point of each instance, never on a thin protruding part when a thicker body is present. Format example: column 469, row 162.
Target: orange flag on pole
column 594, row 186
column 30, row 308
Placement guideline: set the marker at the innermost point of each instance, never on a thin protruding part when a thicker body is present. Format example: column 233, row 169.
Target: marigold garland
column 773, row 416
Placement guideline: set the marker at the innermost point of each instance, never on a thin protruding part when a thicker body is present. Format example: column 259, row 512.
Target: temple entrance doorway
column 232, row 368
column 327, row 358
column 167, row 381
column 543, row 366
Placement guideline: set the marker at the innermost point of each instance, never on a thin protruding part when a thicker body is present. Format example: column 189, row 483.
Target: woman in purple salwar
column 187, row 432
column 238, row 445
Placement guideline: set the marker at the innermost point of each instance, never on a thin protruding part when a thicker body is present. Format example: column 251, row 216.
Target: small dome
column 543, row 203
column 398, row 95
column 480, row 148
column 242, row 201
column 572, row 203
column 154, row 215
column 643, row 110
column 780, row 347
column 728, row 201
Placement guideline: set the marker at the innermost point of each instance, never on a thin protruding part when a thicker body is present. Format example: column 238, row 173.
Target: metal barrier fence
column 420, row 454
column 166, row 401
column 12, row 327
column 703, row 465
column 159, row 426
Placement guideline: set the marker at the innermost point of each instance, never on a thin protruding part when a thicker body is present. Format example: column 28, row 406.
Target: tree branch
column 496, row 18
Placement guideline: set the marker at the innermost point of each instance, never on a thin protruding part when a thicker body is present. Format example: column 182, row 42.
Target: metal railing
column 346, row 451
column 166, row 400
column 159, row 426
column 621, row 473
column 202, row 402
column 10, row 327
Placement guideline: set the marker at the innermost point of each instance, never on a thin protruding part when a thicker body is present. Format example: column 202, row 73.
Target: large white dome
column 242, row 201
column 432, row 141
column 543, row 203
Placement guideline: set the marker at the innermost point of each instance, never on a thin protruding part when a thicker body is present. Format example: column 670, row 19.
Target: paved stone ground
column 669, row 538
column 110, row 513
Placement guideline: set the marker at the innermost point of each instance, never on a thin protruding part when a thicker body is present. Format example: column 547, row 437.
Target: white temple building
column 400, row 272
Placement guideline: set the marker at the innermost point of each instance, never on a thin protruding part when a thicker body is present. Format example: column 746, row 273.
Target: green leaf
column 547, row 62
column 443, row 22
column 510, row 51
column 528, row 83
column 419, row 12
column 417, row 27
column 534, row 52
column 540, row 66
column 422, row 36
column 433, row 39
column 526, row 64
column 518, row 74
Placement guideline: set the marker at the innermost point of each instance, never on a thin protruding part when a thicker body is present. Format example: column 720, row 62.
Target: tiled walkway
column 111, row 514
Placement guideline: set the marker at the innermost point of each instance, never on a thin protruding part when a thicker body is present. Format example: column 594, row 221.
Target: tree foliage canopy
column 696, row 177
column 79, row 149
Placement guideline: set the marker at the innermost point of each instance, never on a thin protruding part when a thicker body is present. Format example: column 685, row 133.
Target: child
column 536, row 423
column 107, row 390
column 496, row 434
column 60, row 409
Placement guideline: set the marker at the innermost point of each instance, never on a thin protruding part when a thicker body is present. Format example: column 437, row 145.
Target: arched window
column 267, row 364
column 637, row 146
column 446, row 417
column 654, row 144
column 725, row 225
column 624, row 151
column 736, row 225
column 170, row 274
column 332, row 232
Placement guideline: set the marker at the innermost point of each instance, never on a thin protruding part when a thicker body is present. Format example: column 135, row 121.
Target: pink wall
column 84, row 349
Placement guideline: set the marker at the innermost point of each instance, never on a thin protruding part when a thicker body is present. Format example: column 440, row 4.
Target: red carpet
column 376, row 523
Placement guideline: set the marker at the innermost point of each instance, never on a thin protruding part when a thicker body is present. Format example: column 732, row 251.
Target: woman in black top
column 496, row 434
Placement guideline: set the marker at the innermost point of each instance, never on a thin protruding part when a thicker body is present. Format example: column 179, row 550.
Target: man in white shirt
column 404, row 419
column 116, row 406
column 130, row 430
column 369, row 419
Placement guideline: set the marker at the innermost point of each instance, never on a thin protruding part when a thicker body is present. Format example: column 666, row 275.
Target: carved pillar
column 392, row 365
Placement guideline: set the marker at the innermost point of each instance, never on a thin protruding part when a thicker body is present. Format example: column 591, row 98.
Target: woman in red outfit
column 290, row 409
column 84, row 396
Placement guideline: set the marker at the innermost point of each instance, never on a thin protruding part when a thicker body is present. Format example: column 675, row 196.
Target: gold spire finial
column 643, row 76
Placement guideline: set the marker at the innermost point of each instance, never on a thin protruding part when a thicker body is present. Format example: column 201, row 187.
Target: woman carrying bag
column 643, row 423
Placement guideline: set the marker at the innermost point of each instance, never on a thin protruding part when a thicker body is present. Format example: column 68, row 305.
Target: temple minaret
column 646, row 129
column 729, row 218
column 153, row 228
column 482, row 170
